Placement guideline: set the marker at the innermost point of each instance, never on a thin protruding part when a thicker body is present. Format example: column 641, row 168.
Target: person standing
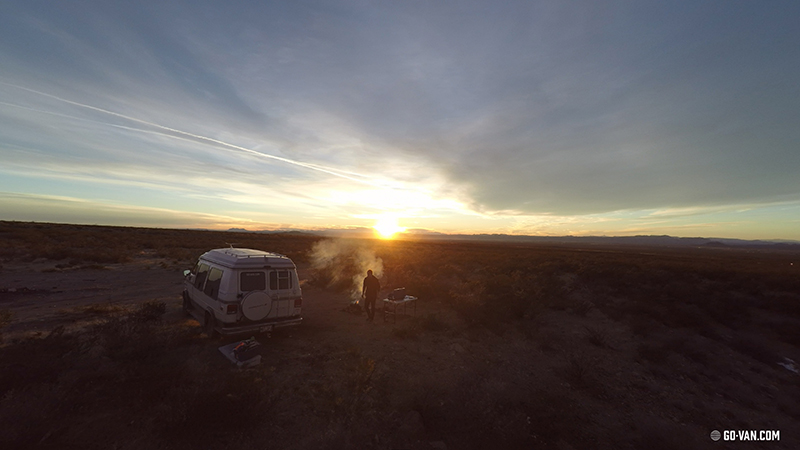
column 369, row 292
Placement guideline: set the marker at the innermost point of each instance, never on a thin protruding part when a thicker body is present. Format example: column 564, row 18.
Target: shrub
column 648, row 351
column 597, row 337
column 755, row 348
column 554, row 417
column 5, row 319
column 411, row 331
column 577, row 372
column 689, row 350
column 641, row 325
column 150, row 310
column 102, row 308
column 432, row 322
column 787, row 331
column 582, row 308
column 203, row 411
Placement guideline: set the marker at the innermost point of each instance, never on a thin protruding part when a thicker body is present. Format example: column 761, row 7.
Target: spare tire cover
column 256, row 305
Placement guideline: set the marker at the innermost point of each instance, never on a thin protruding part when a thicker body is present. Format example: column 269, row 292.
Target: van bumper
column 228, row 329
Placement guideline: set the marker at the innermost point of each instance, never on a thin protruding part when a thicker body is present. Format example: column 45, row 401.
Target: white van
column 242, row 291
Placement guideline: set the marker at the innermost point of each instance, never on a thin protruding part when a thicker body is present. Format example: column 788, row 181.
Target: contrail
column 335, row 172
column 352, row 176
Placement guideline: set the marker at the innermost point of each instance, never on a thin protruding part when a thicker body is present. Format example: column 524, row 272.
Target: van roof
column 245, row 258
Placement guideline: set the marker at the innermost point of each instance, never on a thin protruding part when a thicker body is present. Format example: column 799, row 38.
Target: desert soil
column 429, row 379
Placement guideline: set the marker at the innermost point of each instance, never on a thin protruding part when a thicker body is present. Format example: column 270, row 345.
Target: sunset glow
column 521, row 118
column 387, row 227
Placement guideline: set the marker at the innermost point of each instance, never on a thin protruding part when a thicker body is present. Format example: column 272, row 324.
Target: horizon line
column 418, row 232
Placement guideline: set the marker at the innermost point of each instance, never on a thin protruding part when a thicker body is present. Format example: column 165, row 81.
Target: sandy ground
column 42, row 296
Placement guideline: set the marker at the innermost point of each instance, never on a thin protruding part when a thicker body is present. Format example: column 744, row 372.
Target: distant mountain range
column 642, row 240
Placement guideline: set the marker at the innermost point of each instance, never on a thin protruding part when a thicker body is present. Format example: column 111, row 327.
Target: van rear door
column 284, row 291
column 256, row 301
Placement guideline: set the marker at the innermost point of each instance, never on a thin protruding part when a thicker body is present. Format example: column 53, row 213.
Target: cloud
column 545, row 111
column 628, row 118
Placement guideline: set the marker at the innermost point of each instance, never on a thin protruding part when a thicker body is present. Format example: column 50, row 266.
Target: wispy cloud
column 179, row 134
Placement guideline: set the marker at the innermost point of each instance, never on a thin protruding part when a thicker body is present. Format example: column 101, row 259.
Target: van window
column 202, row 273
column 252, row 281
column 212, row 285
column 280, row 279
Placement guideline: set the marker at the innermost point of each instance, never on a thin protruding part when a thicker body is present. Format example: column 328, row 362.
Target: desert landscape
column 512, row 345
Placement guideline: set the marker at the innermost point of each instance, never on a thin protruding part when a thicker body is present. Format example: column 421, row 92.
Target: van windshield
column 252, row 281
column 202, row 273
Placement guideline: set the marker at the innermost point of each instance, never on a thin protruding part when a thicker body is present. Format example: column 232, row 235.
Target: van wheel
column 208, row 325
column 187, row 304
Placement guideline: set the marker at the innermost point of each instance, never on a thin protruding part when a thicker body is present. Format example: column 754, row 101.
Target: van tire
column 187, row 304
column 208, row 325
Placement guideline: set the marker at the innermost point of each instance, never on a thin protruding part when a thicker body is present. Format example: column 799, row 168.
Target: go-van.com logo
column 746, row 435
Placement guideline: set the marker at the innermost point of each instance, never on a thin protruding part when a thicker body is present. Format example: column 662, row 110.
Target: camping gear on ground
column 390, row 306
column 246, row 353
column 398, row 294
column 247, row 349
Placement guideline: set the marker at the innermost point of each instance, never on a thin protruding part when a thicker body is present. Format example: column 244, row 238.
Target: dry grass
column 135, row 378
column 696, row 336
column 103, row 309
column 82, row 244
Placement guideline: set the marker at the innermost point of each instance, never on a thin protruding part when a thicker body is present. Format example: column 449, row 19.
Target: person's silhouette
column 369, row 292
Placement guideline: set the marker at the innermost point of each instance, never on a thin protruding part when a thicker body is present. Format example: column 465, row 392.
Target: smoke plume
column 341, row 265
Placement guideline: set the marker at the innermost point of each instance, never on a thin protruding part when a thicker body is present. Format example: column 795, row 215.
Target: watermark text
column 746, row 435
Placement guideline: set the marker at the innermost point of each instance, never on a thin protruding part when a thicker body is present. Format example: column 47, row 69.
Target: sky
column 531, row 117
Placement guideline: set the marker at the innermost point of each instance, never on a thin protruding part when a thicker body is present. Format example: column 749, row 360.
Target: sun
column 387, row 227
